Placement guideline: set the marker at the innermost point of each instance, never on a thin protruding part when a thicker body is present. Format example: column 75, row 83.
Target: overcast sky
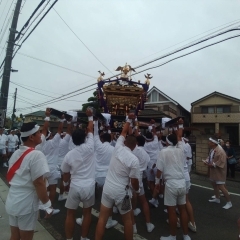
column 117, row 32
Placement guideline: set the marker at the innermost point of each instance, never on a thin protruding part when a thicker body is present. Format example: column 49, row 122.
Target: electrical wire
column 37, row 88
column 6, row 16
column 190, row 45
column 82, row 42
column 29, row 19
column 31, row 90
column 232, row 23
column 56, row 65
column 4, row 9
column 40, row 105
column 209, row 45
column 26, row 26
column 35, row 27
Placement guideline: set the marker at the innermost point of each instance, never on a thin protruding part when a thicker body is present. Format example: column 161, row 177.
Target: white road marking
column 236, row 194
column 118, row 227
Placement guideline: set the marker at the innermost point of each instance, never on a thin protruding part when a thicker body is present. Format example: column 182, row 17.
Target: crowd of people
column 83, row 161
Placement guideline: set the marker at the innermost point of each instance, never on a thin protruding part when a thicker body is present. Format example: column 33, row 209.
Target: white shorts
column 24, row 222
column 76, row 195
column 151, row 173
column 142, row 192
column 12, row 150
column 109, row 202
column 174, row 196
column 188, row 185
column 53, row 177
column 100, row 181
column 3, row 151
column 218, row 182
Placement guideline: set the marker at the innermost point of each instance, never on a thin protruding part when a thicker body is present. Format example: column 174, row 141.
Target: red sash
column 17, row 165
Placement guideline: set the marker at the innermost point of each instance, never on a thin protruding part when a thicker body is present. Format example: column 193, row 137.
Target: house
column 217, row 114
column 38, row 117
column 159, row 101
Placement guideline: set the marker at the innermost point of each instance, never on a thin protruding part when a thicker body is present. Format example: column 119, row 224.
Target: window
column 209, row 131
column 224, row 109
column 154, row 96
column 208, row 110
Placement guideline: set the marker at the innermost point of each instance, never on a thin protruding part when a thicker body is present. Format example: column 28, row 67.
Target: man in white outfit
column 3, row 146
column 123, row 168
column 12, row 143
column 79, row 163
column 27, row 185
column 170, row 163
column 188, row 153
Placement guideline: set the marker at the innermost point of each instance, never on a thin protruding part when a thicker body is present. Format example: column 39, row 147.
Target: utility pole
column 8, row 59
column 14, row 105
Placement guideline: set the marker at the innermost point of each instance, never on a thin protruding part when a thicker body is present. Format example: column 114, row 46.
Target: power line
column 232, row 23
column 54, row 64
column 223, row 40
column 6, row 15
column 29, row 19
column 46, row 103
column 3, row 9
column 82, row 41
column 186, row 47
column 31, row 90
column 26, row 27
column 37, row 88
column 35, row 26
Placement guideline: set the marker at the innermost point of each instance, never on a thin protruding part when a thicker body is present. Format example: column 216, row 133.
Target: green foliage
column 92, row 102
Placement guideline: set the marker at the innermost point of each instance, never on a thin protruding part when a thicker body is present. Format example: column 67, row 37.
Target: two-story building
column 217, row 114
column 159, row 101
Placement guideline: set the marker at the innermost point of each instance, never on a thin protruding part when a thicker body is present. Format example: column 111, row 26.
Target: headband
column 30, row 132
column 48, row 136
column 214, row 141
column 169, row 142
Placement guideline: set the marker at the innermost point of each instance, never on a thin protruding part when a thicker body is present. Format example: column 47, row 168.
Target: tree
column 92, row 102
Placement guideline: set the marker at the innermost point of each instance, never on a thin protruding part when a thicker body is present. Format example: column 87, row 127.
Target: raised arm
column 46, row 123
column 129, row 120
column 60, row 126
column 89, row 113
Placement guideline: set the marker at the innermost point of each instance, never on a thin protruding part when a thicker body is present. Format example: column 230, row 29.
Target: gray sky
column 117, row 32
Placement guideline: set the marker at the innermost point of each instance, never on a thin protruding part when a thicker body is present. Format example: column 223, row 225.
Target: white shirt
column 40, row 146
column 71, row 145
column 143, row 158
column 80, row 163
column 50, row 150
column 63, row 148
column 160, row 145
column 171, row 162
column 12, row 141
column 152, row 148
column 3, row 141
column 103, row 154
column 123, row 166
column 22, row 198
column 188, row 153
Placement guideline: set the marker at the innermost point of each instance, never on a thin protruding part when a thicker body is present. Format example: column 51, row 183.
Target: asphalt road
column 212, row 221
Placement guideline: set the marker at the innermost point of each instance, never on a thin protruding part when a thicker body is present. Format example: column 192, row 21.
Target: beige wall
column 216, row 100
column 215, row 117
